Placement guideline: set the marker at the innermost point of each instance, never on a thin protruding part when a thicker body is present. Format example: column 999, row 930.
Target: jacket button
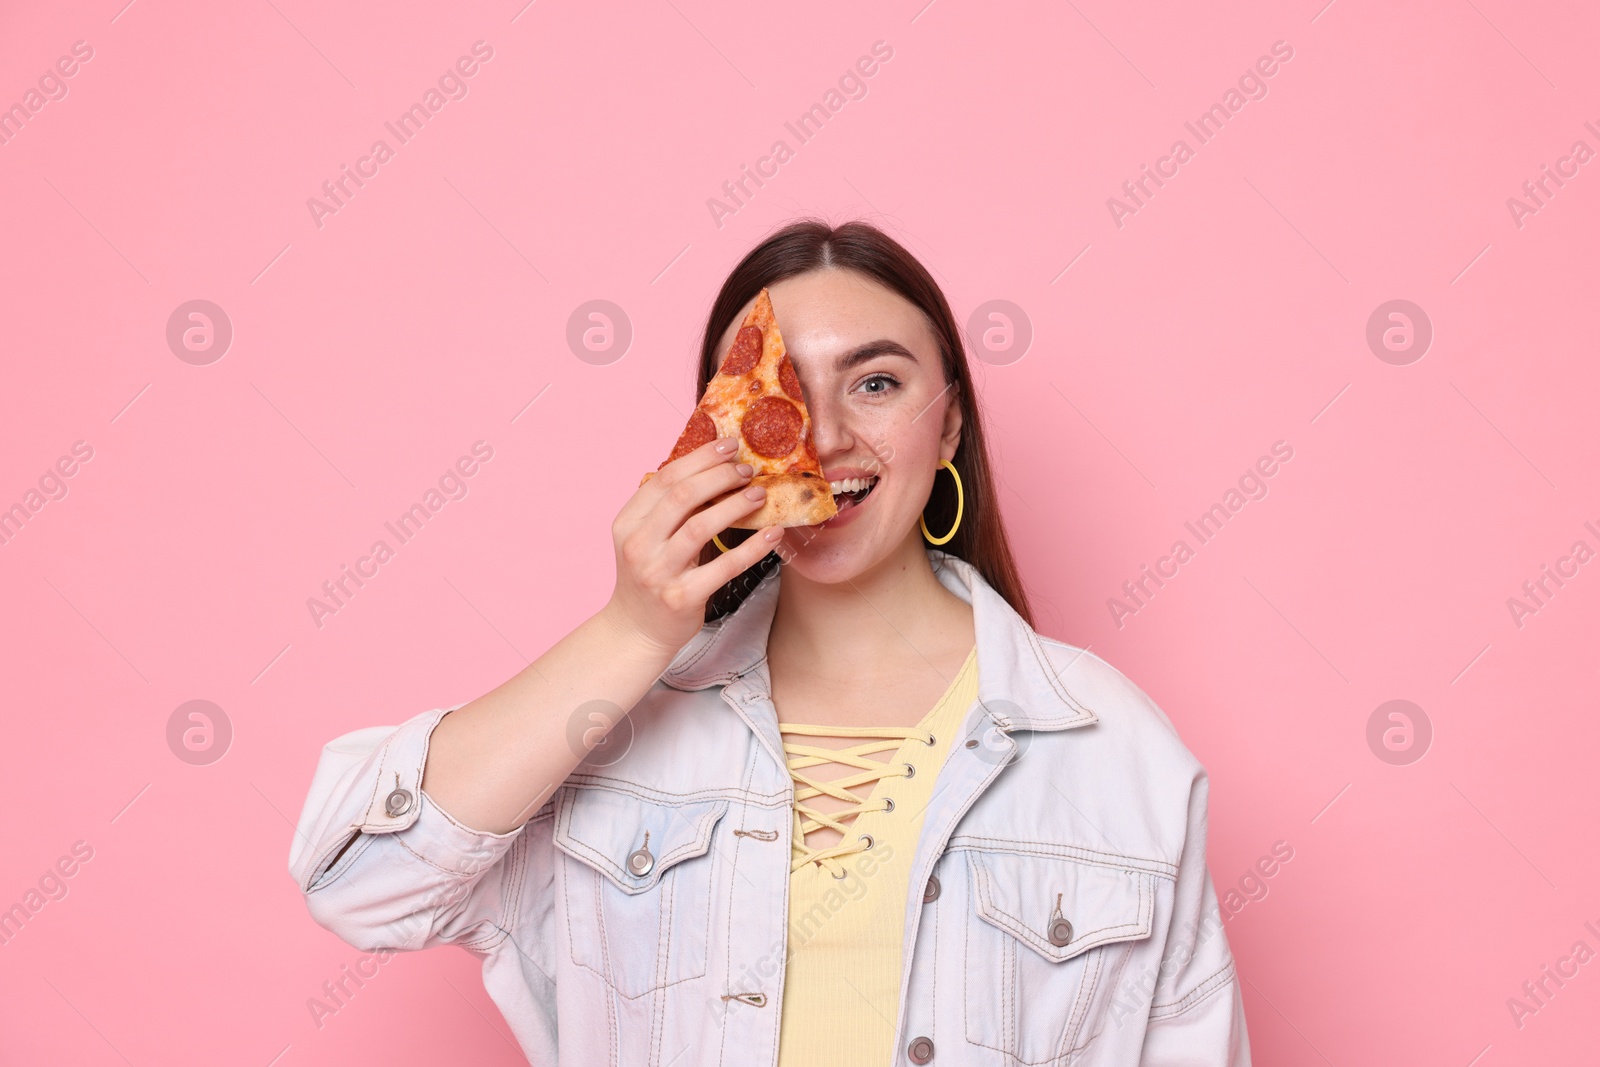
column 397, row 803
column 930, row 891
column 920, row 1050
column 641, row 862
column 1060, row 932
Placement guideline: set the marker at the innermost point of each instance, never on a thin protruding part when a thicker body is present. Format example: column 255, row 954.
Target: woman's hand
column 661, row 590
column 493, row 761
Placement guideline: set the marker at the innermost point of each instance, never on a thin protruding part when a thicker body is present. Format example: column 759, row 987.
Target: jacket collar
column 1017, row 685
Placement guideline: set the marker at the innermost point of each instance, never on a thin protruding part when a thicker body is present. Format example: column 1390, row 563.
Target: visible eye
column 880, row 383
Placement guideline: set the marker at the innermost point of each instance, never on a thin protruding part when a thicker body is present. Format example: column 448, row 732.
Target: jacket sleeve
column 1196, row 1013
column 384, row 867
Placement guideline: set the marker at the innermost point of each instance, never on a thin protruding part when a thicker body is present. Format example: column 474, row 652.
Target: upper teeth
column 851, row 485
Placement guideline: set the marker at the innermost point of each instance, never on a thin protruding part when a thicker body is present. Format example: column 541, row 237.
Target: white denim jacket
column 1059, row 910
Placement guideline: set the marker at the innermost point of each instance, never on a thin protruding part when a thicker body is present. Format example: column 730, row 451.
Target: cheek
column 910, row 443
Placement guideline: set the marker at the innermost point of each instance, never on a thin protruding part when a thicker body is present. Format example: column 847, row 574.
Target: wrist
column 626, row 636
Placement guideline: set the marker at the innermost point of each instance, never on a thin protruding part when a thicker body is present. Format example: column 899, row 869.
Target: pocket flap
column 1018, row 894
column 603, row 827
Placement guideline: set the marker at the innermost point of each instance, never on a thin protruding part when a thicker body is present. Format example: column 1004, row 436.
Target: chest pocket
column 638, row 885
column 1040, row 974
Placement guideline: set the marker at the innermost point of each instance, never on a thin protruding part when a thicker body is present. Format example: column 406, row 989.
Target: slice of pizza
column 755, row 397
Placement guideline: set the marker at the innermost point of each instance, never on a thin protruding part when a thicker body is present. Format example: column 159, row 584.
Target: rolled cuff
column 438, row 838
column 370, row 781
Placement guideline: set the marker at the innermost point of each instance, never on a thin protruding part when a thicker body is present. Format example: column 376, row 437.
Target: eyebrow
column 872, row 349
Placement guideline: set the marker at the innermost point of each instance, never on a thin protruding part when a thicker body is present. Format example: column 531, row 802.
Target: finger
column 707, row 579
column 685, row 545
column 700, row 459
column 706, row 457
column 689, row 496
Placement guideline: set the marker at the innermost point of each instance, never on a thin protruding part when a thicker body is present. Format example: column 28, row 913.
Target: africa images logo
column 451, row 85
column 852, row 85
column 1252, row 85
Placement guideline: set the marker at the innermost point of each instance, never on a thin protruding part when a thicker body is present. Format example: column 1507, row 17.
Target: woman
column 872, row 818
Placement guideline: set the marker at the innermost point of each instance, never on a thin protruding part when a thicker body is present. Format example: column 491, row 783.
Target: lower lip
column 847, row 516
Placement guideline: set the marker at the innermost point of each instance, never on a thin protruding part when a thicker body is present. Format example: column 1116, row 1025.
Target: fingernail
column 726, row 445
column 774, row 533
column 755, row 492
column 745, row 470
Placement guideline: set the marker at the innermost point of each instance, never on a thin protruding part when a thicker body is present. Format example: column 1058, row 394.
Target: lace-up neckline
column 847, row 901
column 802, row 756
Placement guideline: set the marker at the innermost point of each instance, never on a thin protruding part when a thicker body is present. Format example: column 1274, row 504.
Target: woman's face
column 882, row 416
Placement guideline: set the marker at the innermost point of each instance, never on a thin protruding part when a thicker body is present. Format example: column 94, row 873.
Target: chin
column 835, row 555
column 828, row 565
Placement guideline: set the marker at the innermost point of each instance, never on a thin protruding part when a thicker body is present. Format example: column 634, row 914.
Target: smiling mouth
column 849, row 492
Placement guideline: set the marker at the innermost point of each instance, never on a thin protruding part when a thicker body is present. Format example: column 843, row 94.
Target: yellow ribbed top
column 847, row 901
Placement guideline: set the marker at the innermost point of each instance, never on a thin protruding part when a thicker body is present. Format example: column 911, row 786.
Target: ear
column 950, row 436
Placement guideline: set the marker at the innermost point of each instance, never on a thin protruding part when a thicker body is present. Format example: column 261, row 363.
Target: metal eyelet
column 841, row 874
column 911, row 772
column 933, row 739
column 890, row 802
column 868, row 839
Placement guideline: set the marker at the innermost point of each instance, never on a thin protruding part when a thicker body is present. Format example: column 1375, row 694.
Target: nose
column 829, row 433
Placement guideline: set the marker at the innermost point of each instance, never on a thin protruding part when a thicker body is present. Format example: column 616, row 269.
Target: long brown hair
column 811, row 244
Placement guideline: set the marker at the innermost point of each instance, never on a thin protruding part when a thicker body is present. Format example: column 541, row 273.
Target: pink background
column 1228, row 313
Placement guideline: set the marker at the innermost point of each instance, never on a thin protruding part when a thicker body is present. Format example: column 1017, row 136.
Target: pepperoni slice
column 806, row 463
column 788, row 378
column 772, row 427
column 700, row 430
column 745, row 353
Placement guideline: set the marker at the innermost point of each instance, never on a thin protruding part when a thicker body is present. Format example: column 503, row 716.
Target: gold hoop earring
column 960, row 504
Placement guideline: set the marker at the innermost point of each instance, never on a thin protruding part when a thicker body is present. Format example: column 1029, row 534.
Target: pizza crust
column 792, row 499
column 796, row 499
